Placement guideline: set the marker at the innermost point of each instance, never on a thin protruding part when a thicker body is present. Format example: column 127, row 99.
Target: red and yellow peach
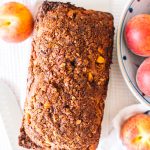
column 16, row 22
column 137, row 35
column 135, row 132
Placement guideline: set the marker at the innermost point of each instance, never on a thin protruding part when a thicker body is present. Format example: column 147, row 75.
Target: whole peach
column 143, row 77
column 16, row 22
column 137, row 35
column 135, row 132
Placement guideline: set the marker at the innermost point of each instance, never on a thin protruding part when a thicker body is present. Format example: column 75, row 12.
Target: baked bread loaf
column 67, row 79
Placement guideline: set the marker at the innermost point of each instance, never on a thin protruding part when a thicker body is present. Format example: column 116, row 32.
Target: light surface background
column 14, row 63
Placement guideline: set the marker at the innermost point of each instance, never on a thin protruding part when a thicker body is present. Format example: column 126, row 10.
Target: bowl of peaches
column 133, row 48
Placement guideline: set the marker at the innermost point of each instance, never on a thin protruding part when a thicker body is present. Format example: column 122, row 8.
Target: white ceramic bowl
column 128, row 61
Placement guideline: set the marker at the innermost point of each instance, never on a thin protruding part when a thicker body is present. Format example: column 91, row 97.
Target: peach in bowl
column 133, row 48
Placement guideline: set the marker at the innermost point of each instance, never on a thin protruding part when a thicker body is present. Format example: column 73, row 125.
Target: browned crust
column 25, row 141
column 64, row 105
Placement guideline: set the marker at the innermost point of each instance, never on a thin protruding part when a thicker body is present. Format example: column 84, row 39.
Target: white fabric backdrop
column 14, row 62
